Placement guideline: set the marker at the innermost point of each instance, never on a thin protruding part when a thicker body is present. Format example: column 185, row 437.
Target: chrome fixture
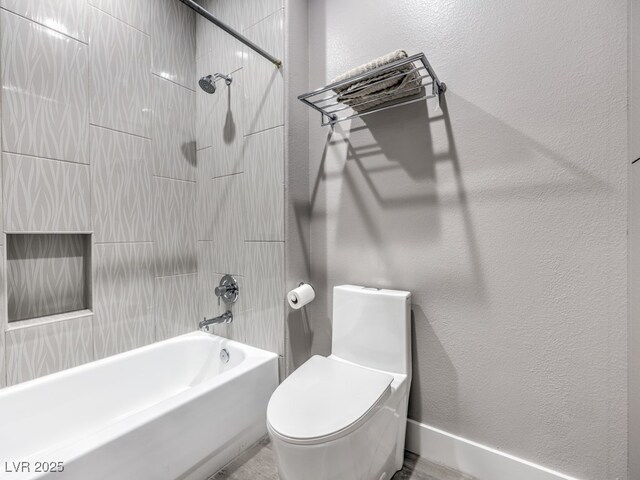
column 227, row 290
column 224, row 355
column 201, row 11
column 226, row 317
column 332, row 111
column 208, row 83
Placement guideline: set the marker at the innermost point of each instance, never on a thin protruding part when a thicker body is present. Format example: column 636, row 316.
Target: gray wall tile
column 264, row 185
column 220, row 125
column 205, row 29
column 209, row 307
column 46, row 275
column 120, row 83
column 264, row 94
column 264, row 327
column 238, row 328
column 121, row 180
column 3, row 318
column 134, row 13
column 122, row 72
column 65, row 16
column 221, row 220
column 230, row 12
column 45, row 195
column 48, row 88
column 207, row 278
column 123, row 297
column 176, row 305
column 174, row 142
column 44, row 91
column 47, row 348
column 175, row 227
column 242, row 14
column 210, row 274
column 253, row 11
column 173, row 33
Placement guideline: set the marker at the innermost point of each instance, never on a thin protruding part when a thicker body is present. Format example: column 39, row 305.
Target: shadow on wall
column 438, row 370
column 384, row 205
column 229, row 129
column 188, row 151
column 386, row 188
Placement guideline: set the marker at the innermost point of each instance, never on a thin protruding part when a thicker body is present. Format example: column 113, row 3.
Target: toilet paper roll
column 301, row 296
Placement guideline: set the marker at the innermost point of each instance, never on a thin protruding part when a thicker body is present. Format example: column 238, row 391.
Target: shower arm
column 205, row 13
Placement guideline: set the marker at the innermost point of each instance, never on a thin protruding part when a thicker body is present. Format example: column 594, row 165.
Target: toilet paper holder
column 299, row 297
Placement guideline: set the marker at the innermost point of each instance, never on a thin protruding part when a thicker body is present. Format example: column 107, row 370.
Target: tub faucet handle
column 227, row 290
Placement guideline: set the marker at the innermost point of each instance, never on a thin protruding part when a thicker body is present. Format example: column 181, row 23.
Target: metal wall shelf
column 415, row 71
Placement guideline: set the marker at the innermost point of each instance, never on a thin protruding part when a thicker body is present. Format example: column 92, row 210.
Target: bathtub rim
column 255, row 358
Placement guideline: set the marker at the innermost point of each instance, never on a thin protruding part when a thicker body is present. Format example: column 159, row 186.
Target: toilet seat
column 325, row 399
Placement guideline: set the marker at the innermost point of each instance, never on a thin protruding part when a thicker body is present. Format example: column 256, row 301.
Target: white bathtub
column 171, row 410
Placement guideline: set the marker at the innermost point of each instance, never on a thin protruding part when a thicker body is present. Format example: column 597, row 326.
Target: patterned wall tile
column 123, row 297
column 174, row 142
column 264, row 325
column 175, row 227
column 225, row 54
column 46, row 275
column 230, row 12
column 221, row 220
column 209, row 306
column 3, row 319
column 121, row 180
column 43, row 195
column 204, row 28
column 120, row 84
column 134, row 13
column 210, row 275
column 221, row 126
column 242, row 14
column 206, row 106
column 44, row 91
column 43, row 349
column 264, row 94
column 207, row 278
column 65, row 16
column 173, row 34
column 253, row 11
column 176, row 307
column 264, row 185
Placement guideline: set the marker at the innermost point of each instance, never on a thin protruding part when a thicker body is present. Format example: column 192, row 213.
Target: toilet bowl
column 343, row 417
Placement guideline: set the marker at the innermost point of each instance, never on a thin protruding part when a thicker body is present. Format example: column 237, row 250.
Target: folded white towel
column 366, row 94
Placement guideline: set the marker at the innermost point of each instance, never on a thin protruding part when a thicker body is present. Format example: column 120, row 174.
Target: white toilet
column 343, row 417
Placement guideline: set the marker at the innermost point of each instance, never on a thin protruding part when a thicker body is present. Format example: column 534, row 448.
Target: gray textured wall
column 504, row 214
column 297, row 254
column 634, row 242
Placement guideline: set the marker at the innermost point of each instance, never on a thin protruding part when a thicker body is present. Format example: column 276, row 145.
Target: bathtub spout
column 226, row 317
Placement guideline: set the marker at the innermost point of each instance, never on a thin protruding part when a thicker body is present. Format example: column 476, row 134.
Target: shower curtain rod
column 198, row 9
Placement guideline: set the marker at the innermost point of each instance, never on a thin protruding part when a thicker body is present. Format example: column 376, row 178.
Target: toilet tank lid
column 325, row 397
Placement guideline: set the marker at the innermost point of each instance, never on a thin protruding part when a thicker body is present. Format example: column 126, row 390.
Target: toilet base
column 375, row 451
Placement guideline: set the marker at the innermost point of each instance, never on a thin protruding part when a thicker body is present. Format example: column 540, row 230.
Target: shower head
column 208, row 83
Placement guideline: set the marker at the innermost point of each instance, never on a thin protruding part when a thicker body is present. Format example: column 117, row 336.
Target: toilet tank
column 372, row 327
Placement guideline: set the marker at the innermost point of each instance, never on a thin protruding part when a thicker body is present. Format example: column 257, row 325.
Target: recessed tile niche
column 47, row 274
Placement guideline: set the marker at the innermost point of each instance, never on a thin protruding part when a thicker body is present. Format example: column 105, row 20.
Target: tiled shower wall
column 98, row 137
column 241, row 170
column 105, row 132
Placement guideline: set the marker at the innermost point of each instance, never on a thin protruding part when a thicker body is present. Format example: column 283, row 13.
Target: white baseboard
column 469, row 457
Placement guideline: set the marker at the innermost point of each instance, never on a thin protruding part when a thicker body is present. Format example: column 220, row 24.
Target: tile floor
column 257, row 463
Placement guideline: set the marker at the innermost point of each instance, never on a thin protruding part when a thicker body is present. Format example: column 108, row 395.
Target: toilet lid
column 323, row 397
